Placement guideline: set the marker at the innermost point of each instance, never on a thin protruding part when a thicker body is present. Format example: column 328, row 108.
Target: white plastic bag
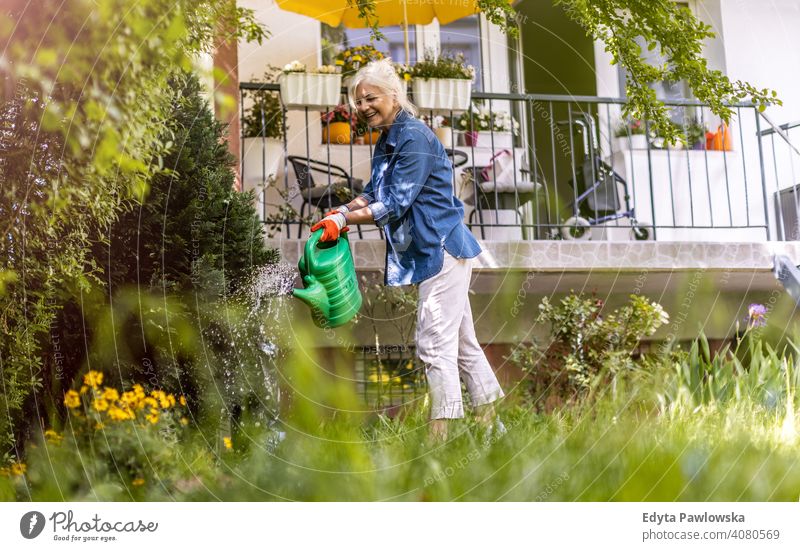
column 499, row 173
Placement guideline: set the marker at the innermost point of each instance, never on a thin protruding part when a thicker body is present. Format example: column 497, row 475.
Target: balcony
column 580, row 201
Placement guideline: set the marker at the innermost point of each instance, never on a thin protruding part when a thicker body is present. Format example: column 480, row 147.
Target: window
column 335, row 39
column 665, row 90
column 464, row 35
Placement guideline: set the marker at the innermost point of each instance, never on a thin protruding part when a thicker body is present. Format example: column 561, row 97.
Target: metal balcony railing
column 567, row 168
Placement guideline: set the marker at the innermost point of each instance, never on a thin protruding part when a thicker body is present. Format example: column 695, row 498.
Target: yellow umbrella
column 388, row 12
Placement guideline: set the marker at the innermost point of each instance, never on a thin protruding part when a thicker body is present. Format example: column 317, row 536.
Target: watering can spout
column 314, row 296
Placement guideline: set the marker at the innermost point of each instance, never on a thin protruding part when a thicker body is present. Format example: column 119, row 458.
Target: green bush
column 192, row 230
column 586, row 347
column 81, row 123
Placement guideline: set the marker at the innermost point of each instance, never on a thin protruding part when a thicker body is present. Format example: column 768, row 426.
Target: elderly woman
column 410, row 197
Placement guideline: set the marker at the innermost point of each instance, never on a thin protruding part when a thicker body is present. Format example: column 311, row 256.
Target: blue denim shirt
column 411, row 197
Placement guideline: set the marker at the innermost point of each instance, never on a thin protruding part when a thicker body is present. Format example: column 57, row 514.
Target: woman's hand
column 332, row 225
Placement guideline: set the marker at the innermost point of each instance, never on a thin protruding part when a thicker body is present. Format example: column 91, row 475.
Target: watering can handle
column 311, row 245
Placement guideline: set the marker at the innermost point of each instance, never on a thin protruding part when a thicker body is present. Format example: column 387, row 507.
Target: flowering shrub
column 132, row 430
column 352, row 59
column 586, row 344
column 444, row 66
column 480, row 118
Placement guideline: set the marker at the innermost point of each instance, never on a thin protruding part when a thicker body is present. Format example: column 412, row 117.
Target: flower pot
column 372, row 137
column 445, row 136
column 636, row 141
column 336, row 133
column 447, row 94
column 313, row 90
column 471, row 138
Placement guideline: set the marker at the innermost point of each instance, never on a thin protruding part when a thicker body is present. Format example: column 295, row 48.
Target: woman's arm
column 358, row 203
column 362, row 215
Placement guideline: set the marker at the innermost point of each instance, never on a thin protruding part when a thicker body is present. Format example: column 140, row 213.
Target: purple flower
column 757, row 315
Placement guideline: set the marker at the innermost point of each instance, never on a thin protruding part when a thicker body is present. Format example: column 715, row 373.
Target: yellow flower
column 148, row 402
column 406, row 77
column 339, row 62
column 100, row 404
column 228, row 443
column 182, row 400
column 52, row 436
column 137, row 481
column 129, row 398
column 99, row 426
column 161, row 397
column 138, row 391
column 171, row 400
column 120, row 414
column 184, row 421
column 357, row 58
column 93, row 379
column 18, row 469
column 346, row 53
column 110, row 394
column 72, row 399
column 152, row 417
column 84, row 388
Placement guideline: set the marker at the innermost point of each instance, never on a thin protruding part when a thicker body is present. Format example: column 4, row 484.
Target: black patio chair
column 457, row 157
column 323, row 186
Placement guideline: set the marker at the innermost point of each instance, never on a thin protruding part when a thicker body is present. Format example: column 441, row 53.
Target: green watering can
column 331, row 287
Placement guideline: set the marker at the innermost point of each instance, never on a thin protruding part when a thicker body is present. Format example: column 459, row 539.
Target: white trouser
column 446, row 342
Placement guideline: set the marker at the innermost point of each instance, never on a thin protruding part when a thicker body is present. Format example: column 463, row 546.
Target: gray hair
column 382, row 75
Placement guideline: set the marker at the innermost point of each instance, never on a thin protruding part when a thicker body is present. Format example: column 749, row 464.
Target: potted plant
column 338, row 125
column 404, row 72
column 631, row 134
column 364, row 135
column 442, row 83
column 300, row 88
column 442, row 128
column 262, row 132
column 481, row 126
column 694, row 134
column 352, row 59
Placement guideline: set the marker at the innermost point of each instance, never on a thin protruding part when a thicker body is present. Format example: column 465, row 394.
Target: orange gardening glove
column 331, row 226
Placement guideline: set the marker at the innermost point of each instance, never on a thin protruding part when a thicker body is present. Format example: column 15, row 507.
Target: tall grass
column 690, row 426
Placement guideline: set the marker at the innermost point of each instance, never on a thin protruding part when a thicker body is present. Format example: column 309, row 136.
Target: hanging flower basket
column 313, row 90
column 446, row 94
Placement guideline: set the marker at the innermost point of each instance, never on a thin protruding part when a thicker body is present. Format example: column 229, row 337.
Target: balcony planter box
column 262, row 158
column 312, row 90
column 483, row 138
column 637, row 141
column 445, row 94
